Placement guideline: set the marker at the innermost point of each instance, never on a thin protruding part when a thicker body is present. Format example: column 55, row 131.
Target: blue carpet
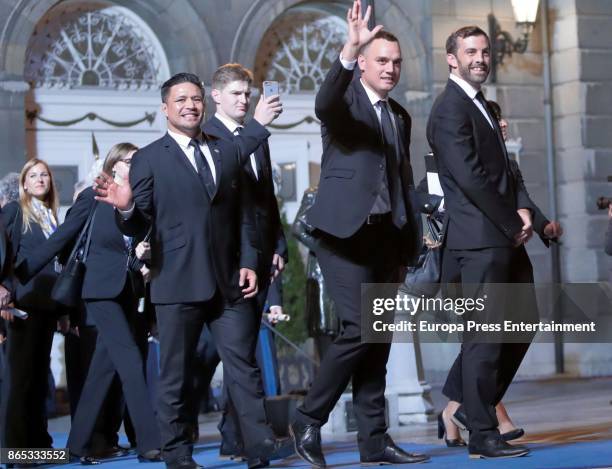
column 596, row 454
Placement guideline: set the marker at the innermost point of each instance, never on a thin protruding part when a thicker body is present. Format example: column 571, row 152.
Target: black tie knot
column 238, row 130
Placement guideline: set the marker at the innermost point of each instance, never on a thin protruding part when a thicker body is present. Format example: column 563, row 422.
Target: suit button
column 382, row 166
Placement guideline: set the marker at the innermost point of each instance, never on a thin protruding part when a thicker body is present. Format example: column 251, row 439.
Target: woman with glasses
column 111, row 304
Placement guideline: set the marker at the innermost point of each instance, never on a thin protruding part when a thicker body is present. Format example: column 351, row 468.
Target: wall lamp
column 502, row 43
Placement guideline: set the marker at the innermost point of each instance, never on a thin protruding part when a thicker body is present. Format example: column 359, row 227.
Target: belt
column 376, row 218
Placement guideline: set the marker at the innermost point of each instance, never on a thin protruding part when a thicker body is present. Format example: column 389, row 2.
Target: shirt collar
column 231, row 124
column 183, row 140
column 372, row 95
column 465, row 86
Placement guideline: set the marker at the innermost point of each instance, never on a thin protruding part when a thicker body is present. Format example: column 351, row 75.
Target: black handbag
column 301, row 229
column 67, row 288
column 423, row 279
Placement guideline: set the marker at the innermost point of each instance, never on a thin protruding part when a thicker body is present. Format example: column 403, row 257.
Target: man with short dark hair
column 487, row 221
column 366, row 229
column 190, row 188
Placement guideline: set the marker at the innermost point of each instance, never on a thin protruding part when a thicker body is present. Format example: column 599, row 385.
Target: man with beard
column 488, row 220
column 364, row 197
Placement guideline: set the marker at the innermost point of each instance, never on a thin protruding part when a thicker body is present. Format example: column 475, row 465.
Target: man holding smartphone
column 231, row 92
column 367, row 230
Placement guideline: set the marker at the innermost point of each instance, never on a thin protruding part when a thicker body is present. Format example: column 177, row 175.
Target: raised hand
column 358, row 32
column 268, row 109
column 110, row 192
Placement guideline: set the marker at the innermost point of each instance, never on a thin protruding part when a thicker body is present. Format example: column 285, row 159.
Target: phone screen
column 270, row 88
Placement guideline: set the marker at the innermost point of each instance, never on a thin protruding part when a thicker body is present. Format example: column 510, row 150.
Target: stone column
column 12, row 124
column 581, row 34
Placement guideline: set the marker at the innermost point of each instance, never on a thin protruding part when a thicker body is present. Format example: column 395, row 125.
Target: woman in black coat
column 29, row 222
column 110, row 301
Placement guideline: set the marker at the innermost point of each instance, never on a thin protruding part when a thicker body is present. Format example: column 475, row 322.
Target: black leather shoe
column 451, row 443
column 513, row 434
column 392, row 454
column 460, row 419
column 496, row 448
column 270, row 449
column 89, row 461
column 111, row 452
column 257, row 463
column 231, row 450
column 307, row 443
column 184, row 462
column 153, row 455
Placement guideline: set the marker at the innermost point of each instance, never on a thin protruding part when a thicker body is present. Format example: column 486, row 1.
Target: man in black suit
column 366, row 227
column 231, row 92
column 488, row 219
column 190, row 188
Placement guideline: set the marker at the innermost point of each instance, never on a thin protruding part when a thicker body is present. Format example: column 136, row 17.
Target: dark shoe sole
column 482, row 456
column 298, row 453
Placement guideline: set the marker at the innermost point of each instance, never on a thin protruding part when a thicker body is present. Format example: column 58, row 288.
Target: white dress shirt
column 233, row 127
column 372, row 95
column 471, row 92
column 188, row 150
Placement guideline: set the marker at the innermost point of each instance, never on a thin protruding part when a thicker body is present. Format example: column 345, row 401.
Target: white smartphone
column 18, row 313
column 270, row 88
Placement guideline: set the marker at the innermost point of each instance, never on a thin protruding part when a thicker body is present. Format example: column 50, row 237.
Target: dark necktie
column 398, row 208
column 203, row 168
column 500, row 137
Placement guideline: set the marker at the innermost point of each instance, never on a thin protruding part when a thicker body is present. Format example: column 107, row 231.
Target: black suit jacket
column 197, row 244
column 106, row 265
column 33, row 293
column 352, row 164
column 481, row 198
column 4, row 257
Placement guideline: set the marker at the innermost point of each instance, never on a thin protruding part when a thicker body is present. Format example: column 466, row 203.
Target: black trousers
column 23, row 417
column 234, row 329
column 371, row 255
column 482, row 372
column 116, row 352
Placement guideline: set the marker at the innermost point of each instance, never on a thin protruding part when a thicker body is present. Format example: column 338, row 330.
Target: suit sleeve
column 524, row 200
column 249, row 248
column 63, row 237
column 9, row 214
column 141, row 181
column 253, row 135
column 275, row 292
column 330, row 106
column 3, row 249
column 453, row 136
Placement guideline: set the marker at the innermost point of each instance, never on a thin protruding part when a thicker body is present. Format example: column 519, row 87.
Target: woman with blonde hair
column 111, row 304
column 29, row 222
